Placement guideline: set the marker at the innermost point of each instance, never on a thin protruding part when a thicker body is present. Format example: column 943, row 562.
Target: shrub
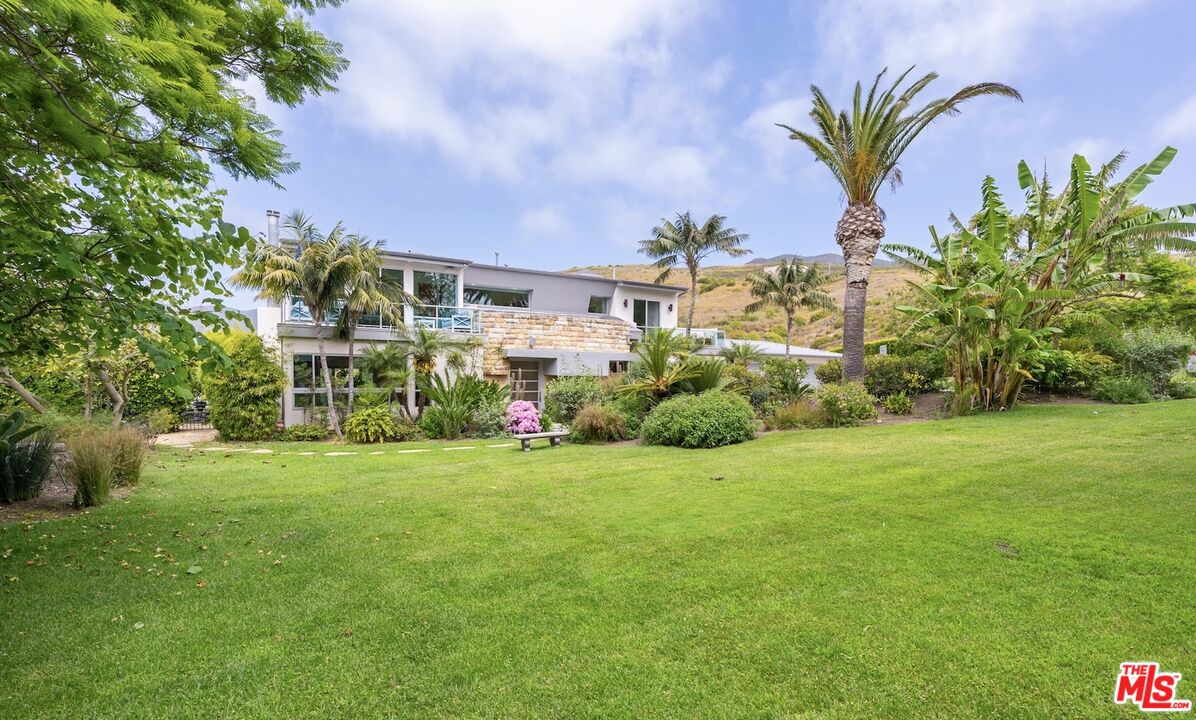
column 887, row 374
column 127, row 449
column 1123, row 389
column 523, row 417
column 785, row 379
column 1068, row 371
column 161, row 420
column 243, row 396
column 846, row 403
column 796, row 415
column 90, row 469
column 598, row 423
column 1155, row 354
column 709, row 420
column 489, row 419
column 898, row 404
column 304, row 432
column 455, row 402
column 1183, row 386
column 830, row 371
column 370, row 425
column 633, row 409
column 564, row 396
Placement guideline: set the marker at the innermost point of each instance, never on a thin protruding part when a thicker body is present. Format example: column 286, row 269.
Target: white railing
column 713, row 337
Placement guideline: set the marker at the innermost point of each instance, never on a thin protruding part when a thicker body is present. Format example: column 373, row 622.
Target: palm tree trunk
column 788, row 331
column 693, row 300
column 352, row 339
column 30, row 399
column 336, row 424
column 859, row 234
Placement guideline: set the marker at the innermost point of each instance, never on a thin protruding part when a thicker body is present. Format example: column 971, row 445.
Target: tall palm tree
column 862, row 150
column 309, row 267
column 368, row 290
column 789, row 285
column 682, row 241
column 386, row 366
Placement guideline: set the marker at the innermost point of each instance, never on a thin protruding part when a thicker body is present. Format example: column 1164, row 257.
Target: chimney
column 272, row 227
column 614, row 273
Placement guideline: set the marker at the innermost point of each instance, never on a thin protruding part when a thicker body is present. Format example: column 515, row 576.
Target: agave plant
column 453, row 402
column 25, row 458
column 995, row 290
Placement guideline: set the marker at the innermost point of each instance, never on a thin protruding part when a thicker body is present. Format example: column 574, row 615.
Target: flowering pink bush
column 523, row 417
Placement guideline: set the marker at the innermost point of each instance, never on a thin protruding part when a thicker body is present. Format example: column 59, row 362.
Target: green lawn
column 980, row 567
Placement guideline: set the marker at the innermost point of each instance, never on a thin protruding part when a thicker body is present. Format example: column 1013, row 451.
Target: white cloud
column 963, row 40
column 527, row 91
column 546, row 221
column 1179, row 124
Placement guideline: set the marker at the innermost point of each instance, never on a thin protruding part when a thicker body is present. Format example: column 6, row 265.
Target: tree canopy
column 113, row 118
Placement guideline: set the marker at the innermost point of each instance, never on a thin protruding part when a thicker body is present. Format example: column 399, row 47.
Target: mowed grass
column 997, row 566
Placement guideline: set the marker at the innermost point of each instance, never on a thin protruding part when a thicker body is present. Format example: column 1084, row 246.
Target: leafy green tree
column 862, row 149
column 789, row 285
column 684, row 242
column 309, row 267
column 113, row 115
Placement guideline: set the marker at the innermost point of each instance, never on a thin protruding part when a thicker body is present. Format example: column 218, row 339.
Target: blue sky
column 558, row 133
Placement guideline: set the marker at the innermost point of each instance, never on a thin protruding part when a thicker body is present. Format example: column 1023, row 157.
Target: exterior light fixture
column 670, row 307
column 624, row 302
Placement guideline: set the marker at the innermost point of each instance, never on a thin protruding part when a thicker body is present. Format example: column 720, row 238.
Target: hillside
column 723, row 293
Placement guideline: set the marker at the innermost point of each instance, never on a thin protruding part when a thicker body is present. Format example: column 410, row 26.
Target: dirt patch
column 184, row 438
column 56, row 501
column 928, row 406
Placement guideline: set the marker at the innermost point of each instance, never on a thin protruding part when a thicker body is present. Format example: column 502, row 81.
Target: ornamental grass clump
column 523, row 417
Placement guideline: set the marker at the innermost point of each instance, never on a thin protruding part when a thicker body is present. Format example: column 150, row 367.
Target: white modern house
column 513, row 325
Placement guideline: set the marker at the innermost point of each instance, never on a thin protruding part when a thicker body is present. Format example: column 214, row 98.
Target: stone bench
column 554, row 438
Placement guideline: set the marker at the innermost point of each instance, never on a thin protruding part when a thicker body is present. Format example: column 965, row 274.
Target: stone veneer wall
column 553, row 332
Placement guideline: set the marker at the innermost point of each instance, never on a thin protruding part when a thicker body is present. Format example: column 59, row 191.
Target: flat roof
column 412, row 255
column 582, row 276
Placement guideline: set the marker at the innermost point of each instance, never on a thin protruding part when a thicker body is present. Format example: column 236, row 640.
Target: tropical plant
column 862, row 149
column 309, row 267
column 789, row 285
column 898, row 403
column 741, row 353
column 26, row 457
column 785, row 378
column 684, row 242
column 243, row 394
column 455, row 401
column 1125, row 389
column 304, row 432
column 658, row 371
column 370, row 425
column 385, row 366
column 368, row 290
column 1155, row 354
column 995, row 290
column 709, row 420
column 708, row 374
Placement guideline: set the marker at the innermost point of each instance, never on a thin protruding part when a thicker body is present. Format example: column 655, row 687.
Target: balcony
column 447, row 318
column 712, row 337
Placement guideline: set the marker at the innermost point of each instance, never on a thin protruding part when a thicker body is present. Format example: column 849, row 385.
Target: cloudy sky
column 558, row 133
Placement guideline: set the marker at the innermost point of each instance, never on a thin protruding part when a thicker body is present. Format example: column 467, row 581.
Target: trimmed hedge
column 709, row 420
column 243, row 395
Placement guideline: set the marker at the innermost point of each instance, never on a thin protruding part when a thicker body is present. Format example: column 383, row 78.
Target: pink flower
column 523, row 417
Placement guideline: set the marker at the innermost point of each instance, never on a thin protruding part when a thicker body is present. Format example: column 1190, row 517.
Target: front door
column 525, row 380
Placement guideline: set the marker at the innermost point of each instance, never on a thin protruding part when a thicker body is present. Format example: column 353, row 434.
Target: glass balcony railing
column 437, row 317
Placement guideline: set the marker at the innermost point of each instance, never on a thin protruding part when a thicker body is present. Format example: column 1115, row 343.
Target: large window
column 646, row 314
column 434, row 288
column 475, row 295
column 599, row 304
column 306, row 373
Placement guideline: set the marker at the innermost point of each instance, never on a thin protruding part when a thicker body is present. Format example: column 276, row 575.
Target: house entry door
column 525, row 381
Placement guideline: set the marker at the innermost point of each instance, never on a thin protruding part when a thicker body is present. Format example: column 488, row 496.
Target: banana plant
column 994, row 290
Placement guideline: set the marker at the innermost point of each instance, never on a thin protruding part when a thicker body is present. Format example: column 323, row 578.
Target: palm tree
column 862, row 150
column 424, row 347
column 683, row 242
column 368, row 290
column 789, row 285
column 386, row 367
column 309, row 267
column 741, row 353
